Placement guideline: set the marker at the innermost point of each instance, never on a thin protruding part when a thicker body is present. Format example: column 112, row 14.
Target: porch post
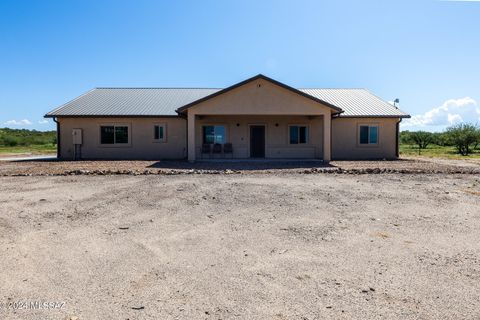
column 327, row 130
column 191, row 136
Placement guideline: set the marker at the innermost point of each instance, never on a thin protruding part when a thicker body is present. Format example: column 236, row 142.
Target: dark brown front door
column 257, row 141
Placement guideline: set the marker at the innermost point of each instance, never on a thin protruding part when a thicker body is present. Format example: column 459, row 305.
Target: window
column 368, row 134
column 113, row 134
column 159, row 132
column 298, row 134
column 213, row 134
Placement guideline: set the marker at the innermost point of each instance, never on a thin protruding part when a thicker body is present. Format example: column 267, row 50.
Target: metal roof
column 140, row 102
column 131, row 102
column 357, row 102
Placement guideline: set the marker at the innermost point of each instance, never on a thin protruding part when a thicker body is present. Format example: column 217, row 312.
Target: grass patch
column 435, row 151
column 18, row 141
column 33, row 149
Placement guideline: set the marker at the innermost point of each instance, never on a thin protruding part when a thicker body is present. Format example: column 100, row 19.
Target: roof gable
column 259, row 76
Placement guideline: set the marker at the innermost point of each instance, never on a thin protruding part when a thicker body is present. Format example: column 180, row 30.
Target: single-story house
column 256, row 118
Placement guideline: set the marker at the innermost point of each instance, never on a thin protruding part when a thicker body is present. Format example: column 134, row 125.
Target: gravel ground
column 407, row 165
column 271, row 246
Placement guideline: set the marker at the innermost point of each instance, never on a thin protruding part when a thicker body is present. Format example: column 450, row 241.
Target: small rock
column 138, row 308
column 123, row 228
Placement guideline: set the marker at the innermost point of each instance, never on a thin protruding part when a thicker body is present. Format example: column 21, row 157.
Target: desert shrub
column 9, row 141
column 464, row 137
column 22, row 137
column 440, row 139
column 406, row 137
column 422, row 139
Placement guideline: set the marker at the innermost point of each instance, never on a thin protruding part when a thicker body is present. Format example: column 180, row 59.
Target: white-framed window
column 368, row 134
column 214, row 134
column 160, row 132
column 113, row 134
column 298, row 134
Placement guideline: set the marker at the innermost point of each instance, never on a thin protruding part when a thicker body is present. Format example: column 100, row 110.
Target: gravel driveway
column 271, row 246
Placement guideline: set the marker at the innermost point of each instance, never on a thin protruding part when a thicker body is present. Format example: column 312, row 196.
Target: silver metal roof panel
column 138, row 102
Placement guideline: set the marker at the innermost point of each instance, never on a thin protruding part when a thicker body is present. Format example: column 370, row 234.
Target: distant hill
column 23, row 137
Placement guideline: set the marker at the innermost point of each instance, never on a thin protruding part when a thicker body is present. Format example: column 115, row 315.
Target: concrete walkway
column 27, row 158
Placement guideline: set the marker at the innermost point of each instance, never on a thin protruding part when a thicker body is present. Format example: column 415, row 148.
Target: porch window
column 298, row 134
column 213, row 134
column 368, row 134
column 113, row 134
column 159, row 133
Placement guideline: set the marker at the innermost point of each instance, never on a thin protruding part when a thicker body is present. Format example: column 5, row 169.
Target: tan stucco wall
column 345, row 139
column 264, row 100
column 260, row 97
column 276, row 137
column 141, row 146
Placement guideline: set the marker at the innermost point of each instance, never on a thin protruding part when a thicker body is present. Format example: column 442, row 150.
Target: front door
column 257, row 141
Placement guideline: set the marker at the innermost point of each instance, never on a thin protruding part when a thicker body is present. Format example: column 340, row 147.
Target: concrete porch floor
column 259, row 160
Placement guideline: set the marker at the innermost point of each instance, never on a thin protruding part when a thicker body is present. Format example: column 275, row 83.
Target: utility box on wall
column 77, row 136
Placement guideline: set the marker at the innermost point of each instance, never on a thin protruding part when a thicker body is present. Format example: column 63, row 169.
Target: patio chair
column 228, row 149
column 206, row 149
column 217, row 149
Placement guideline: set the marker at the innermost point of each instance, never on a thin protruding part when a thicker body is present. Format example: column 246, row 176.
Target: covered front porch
column 216, row 137
column 260, row 118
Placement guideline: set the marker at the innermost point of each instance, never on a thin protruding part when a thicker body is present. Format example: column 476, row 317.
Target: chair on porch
column 206, row 149
column 217, row 149
column 228, row 149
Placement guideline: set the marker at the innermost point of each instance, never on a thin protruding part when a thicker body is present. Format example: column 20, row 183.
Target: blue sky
column 424, row 52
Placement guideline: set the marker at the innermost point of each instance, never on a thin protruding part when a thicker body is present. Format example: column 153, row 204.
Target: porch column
column 191, row 136
column 327, row 130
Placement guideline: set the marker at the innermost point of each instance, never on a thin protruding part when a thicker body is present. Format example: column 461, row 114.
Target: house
column 256, row 118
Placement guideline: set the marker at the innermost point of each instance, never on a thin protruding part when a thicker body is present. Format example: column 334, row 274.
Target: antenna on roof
column 395, row 102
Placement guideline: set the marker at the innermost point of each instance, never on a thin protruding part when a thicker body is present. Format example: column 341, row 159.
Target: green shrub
column 422, row 139
column 464, row 137
column 9, row 141
column 22, row 137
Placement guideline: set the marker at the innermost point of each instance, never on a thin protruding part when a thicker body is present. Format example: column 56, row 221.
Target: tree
column 463, row 136
column 406, row 137
column 440, row 139
column 422, row 139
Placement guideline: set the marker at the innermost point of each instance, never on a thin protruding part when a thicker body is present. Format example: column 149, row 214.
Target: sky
column 424, row 52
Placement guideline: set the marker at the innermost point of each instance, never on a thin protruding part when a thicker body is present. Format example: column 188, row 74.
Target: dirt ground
column 37, row 167
column 271, row 246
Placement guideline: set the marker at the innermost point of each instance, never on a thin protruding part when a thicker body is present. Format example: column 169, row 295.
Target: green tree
column 464, row 137
column 422, row 139
column 406, row 137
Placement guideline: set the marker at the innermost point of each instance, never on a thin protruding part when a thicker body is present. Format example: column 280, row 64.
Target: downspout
column 58, row 138
column 397, row 140
column 185, row 156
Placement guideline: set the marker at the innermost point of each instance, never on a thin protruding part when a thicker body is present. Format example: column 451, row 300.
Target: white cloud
column 450, row 112
column 23, row 122
column 43, row 121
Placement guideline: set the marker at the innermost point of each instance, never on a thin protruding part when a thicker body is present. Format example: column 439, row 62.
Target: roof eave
column 113, row 116
column 375, row 116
